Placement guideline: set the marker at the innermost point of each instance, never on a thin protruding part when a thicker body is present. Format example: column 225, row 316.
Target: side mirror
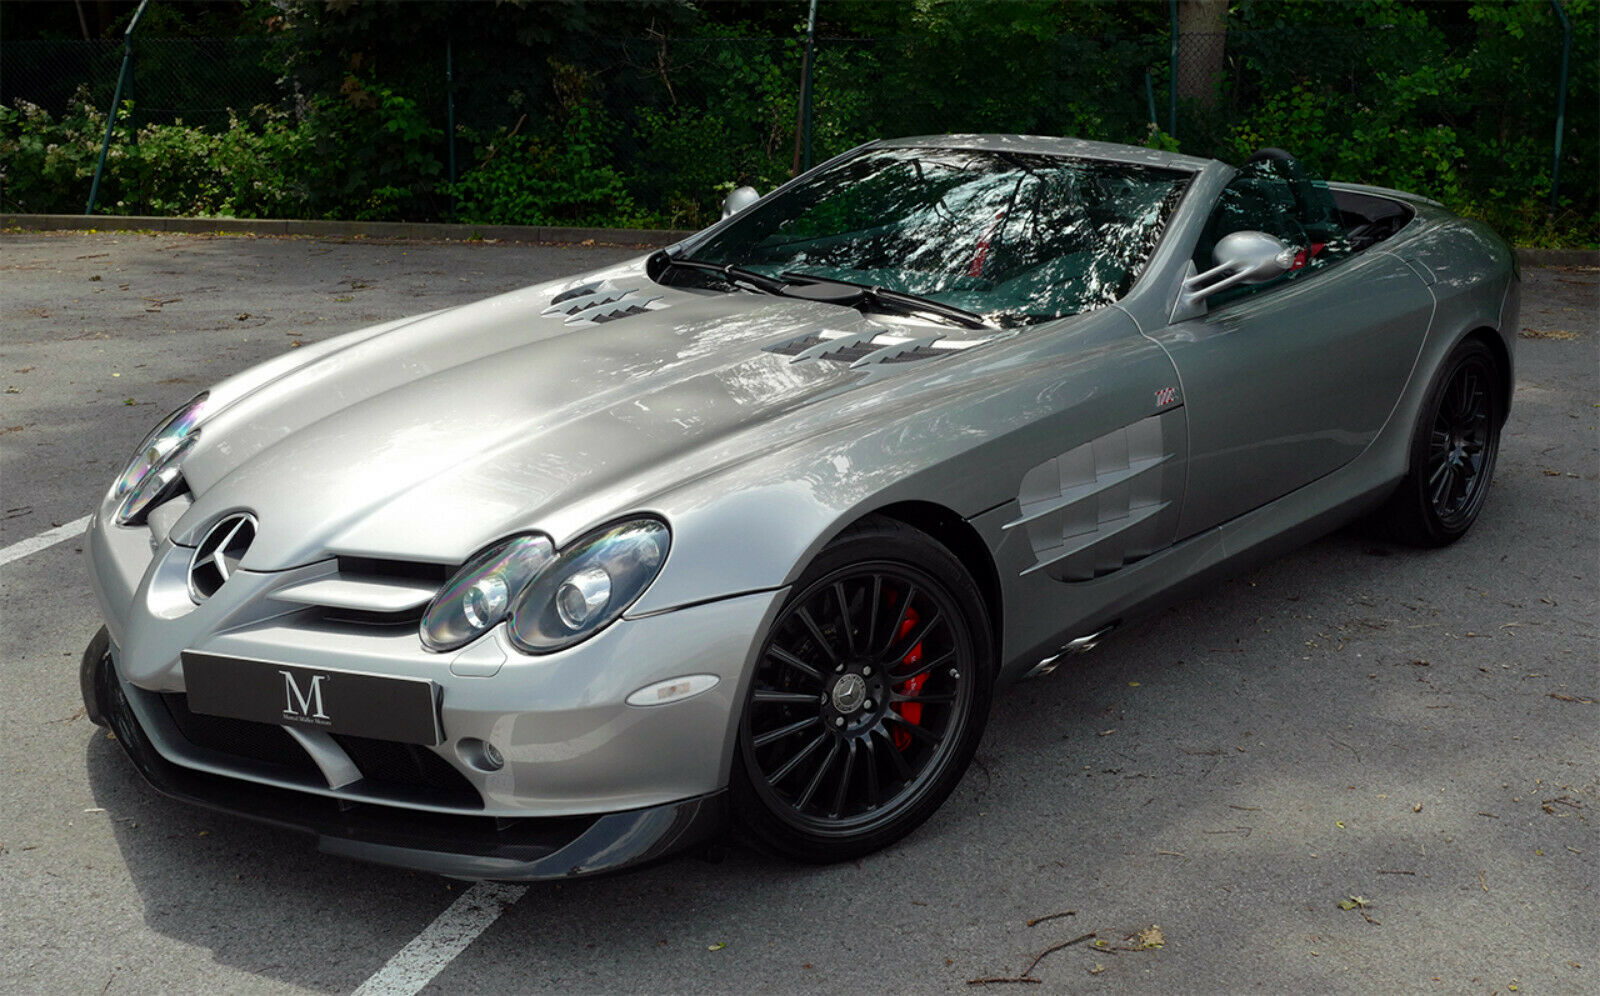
column 1241, row 258
column 738, row 199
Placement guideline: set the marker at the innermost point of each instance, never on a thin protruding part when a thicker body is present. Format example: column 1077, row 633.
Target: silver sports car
column 746, row 532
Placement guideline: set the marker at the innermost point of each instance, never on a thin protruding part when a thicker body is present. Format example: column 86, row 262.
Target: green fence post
column 802, row 141
column 1561, row 101
column 1150, row 95
column 1172, row 69
column 450, row 115
column 116, row 101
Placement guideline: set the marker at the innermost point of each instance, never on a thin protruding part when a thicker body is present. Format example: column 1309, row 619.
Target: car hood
column 427, row 439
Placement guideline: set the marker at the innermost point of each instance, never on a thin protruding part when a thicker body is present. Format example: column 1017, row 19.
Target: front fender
column 964, row 441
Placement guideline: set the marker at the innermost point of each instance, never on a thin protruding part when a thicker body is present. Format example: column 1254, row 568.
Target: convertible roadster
column 746, row 532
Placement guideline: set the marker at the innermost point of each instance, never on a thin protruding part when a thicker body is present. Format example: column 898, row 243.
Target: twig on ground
column 1052, row 950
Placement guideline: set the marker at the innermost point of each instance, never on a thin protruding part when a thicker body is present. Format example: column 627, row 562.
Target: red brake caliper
column 912, row 711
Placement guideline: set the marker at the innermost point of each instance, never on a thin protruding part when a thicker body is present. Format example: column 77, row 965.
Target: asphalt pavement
column 1359, row 767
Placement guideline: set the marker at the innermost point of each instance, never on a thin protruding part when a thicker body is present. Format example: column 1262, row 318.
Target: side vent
column 1098, row 507
column 598, row 302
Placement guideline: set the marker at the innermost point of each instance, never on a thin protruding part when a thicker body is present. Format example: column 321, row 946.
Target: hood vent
column 861, row 349
column 794, row 347
column 601, row 301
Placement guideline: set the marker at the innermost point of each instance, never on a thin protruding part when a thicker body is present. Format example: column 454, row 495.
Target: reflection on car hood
column 439, row 435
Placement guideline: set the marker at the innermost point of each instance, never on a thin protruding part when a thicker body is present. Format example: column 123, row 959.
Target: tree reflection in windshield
column 1017, row 238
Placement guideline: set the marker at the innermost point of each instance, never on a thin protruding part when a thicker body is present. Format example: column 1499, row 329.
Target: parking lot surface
column 1357, row 767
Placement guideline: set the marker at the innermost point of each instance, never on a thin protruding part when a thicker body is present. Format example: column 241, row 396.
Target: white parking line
column 415, row 965
column 18, row 550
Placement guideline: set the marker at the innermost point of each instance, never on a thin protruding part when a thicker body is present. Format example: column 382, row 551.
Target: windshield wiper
column 662, row 261
column 893, row 300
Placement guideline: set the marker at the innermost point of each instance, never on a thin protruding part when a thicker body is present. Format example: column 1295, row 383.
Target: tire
column 1453, row 449
column 868, row 700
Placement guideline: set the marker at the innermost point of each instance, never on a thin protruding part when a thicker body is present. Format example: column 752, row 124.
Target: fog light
column 480, row 754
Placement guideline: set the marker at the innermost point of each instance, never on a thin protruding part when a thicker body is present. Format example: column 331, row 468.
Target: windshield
column 1015, row 238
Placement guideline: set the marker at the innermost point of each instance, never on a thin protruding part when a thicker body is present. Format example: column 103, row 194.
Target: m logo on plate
column 303, row 707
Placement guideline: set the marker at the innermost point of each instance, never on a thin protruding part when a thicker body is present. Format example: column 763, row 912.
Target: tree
column 1202, row 43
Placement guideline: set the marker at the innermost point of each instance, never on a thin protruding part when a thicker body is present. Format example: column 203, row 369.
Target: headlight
column 153, row 472
column 480, row 594
column 592, row 583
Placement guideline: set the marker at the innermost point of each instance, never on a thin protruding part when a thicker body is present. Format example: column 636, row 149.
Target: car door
column 1288, row 381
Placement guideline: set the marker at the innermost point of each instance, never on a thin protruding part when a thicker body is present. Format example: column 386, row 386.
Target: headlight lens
column 476, row 599
column 153, row 472
column 592, row 583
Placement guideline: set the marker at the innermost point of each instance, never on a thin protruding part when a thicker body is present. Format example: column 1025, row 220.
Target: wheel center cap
column 848, row 693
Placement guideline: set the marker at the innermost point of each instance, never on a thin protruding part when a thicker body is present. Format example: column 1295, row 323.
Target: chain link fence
column 647, row 129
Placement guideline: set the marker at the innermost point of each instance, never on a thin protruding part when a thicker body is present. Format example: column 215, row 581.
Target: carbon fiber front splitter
column 470, row 847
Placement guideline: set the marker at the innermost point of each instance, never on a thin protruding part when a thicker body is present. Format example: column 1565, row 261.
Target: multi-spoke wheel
column 1452, row 451
column 868, row 699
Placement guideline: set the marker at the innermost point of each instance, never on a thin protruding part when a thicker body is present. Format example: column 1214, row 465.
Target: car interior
column 1275, row 193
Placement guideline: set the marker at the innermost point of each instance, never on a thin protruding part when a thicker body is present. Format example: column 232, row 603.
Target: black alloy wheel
column 1453, row 450
column 1459, row 456
column 868, row 699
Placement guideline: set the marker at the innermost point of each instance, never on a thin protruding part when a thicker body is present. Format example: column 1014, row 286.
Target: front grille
column 238, row 737
column 380, row 761
column 407, row 618
column 371, row 592
column 358, row 567
column 408, row 764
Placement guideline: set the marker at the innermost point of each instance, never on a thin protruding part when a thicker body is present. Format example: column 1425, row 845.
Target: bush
column 560, row 176
column 46, row 166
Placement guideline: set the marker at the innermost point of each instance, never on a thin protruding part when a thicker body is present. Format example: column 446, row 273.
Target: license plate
column 314, row 698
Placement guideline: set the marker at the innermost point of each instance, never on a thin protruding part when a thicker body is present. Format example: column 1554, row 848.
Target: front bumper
column 470, row 847
column 589, row 782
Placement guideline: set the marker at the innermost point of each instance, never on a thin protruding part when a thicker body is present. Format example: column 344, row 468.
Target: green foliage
column 645, row 113
column 244, row 171
column 371, row 154
column 43, row 163
column 1460, row 111
column 741, row 132
column 560, row 177
column 371, row 158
